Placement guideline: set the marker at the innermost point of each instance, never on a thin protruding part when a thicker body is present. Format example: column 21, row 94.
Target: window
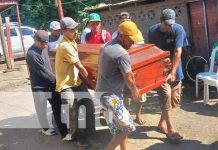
column 12, row 32
column 27, row 31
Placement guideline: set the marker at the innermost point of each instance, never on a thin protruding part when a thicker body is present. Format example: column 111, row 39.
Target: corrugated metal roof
column 105, row 6
column 131, row 3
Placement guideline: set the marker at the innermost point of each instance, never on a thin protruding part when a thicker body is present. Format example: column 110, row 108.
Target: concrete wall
column 145, row 16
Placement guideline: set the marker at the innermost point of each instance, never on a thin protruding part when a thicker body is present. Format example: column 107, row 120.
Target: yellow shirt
column 67, row 75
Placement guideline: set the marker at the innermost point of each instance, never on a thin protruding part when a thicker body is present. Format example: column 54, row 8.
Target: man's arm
column 130, row 82
column 81, row 69
column 129, row 78
column 37, row 64
column 176, row 61
column 84, row 75
column 180, row 41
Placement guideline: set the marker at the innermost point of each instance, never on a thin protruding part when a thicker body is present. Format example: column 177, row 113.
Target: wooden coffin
column 149, row 63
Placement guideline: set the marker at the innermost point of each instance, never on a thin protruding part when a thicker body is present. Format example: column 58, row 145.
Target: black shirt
column 40, row 75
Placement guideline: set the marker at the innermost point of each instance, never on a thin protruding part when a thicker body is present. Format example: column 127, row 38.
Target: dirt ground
column 197, row 123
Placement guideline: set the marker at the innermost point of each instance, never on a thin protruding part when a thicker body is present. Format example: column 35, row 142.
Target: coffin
column 149, row 63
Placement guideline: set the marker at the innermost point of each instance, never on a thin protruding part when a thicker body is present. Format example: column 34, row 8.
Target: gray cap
column 168, row 15
column 68, row 23
column 124, row 14
column 41, row 35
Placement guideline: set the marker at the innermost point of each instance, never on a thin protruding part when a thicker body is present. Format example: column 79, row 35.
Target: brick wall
column 197, row 27
column 212, row 17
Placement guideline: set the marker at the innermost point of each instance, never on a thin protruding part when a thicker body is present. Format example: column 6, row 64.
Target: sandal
column 174, row 137
column 139, row 121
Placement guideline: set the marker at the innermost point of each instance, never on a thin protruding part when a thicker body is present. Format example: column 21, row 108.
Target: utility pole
column 7, row 19
column 7, row 59
column 60, row 10
column 21, row 35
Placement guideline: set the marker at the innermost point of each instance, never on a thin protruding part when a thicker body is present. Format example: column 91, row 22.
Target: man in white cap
column 55, row 30
column 54, row 39
column 67, row 70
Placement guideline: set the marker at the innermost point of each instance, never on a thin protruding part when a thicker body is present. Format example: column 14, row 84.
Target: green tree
column 41, row 12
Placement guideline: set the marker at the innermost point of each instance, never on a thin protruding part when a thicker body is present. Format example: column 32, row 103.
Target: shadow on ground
column 32, row 139
column 193, row 104
column 189, row 102
column 184, row 145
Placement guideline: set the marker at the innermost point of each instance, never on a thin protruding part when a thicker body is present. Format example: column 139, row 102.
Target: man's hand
column 82, row 71
column 171, row 77
column 136, row 95
column 89, row 82
column 176, row 60
column 130, row 82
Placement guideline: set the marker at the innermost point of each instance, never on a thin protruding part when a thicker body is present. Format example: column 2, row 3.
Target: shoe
column 67, row 137
column 49, row 132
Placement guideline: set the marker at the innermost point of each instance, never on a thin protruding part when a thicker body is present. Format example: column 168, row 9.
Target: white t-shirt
column 83, row 36
column 52, row 45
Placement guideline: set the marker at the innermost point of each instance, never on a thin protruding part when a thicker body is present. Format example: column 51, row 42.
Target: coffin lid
column 139, row 56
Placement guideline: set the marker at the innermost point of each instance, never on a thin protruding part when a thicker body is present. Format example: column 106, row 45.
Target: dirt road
column 196, row 122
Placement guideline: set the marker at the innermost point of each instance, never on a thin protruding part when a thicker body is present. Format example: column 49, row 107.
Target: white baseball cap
column 55, row 25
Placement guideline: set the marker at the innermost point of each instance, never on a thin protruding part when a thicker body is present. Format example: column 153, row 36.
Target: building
column 199, row 18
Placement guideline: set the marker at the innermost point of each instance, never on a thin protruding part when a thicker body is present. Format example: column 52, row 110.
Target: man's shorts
column 116, row 115
column 170, row 95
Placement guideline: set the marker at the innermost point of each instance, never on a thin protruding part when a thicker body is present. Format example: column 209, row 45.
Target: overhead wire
column 64, row 3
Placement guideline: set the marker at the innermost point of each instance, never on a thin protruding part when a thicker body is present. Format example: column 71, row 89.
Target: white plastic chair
column 203, row 75
column 212, row 81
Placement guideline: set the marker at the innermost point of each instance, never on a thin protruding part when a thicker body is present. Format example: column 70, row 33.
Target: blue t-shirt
column 176, row 38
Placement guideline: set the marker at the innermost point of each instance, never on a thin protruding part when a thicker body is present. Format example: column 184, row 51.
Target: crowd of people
column 68, row 80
